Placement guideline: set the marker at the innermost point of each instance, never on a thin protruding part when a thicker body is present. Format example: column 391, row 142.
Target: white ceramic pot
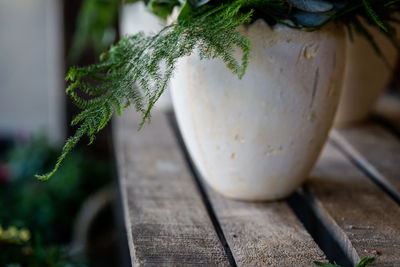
column 136, row 18
column 258, row 138
column 366, row 77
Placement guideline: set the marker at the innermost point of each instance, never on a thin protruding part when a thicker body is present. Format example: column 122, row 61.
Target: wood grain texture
column 167, row 222
column 359, row 214
column 264, row 234
column 375, row 149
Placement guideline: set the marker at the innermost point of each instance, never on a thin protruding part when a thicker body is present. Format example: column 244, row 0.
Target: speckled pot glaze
column 366, row 77
column 258, row 138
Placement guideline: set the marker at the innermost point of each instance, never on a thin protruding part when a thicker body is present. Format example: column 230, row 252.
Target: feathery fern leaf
column 371, row 12
column 136, row 70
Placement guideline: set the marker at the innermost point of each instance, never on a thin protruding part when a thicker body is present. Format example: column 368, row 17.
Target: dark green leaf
column 162, row 8
column 371, row 12
column 186, row 11
column 365, row 262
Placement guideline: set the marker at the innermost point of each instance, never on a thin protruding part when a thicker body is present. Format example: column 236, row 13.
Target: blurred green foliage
column 45, row 211
column 17, row 249
column 95, row 27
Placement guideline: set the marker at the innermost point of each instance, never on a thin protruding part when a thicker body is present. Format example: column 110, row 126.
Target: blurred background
column 73, row 219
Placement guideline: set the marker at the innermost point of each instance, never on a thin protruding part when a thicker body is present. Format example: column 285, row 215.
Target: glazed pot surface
column 258, row 138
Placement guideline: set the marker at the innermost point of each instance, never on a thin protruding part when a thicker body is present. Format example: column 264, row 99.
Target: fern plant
column 365, row 262
column 137, row 69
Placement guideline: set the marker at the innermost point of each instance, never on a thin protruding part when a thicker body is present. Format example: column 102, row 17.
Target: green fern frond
column 137, row 70
column 391, row 3
column 371, row 12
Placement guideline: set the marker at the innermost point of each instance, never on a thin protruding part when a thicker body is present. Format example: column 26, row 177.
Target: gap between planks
column 180, row 231
column 374, row 147
column 245, row 220
column 258, row 233
column 375, row 152
column 359, row 215
column 166, row 219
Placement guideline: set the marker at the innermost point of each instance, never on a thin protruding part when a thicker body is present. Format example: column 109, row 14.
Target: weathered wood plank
column 359, row 214
column 376, row 149
column 167, row 221
column 264, row 234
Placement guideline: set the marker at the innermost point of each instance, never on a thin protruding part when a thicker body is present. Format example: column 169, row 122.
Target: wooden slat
column 264, row 234
column 358, row 213
column 167, row 221
column 376, row 150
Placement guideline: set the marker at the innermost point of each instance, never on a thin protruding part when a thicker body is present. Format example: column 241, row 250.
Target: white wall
column 31, row 68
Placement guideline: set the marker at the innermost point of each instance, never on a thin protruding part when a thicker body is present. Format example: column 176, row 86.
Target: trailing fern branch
column 371, row 12
column 137, row 70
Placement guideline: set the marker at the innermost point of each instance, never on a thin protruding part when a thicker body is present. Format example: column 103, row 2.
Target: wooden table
column 348, row 208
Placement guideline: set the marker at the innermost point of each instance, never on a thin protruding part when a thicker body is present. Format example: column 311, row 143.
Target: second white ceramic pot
column 366, row 77
column 258, row 138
